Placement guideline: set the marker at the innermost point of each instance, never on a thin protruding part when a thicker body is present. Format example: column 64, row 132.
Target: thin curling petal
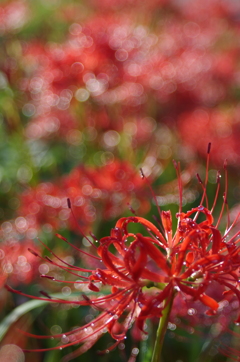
column 123, row 222
column 135, row 266
column 182, row 251
column 154, row 253
column 216, row 240
column 167, row 221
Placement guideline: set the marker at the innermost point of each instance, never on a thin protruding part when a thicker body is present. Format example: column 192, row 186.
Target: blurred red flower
column 17, row 266
column 220, row 126
column 106, row 190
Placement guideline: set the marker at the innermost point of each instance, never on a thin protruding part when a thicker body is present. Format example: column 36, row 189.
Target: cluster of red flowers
column 111, row 69
column 94, row 191
column 102, row 190
column 147, row 270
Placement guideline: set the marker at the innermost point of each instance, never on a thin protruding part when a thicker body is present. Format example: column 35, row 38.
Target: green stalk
column 162, row 327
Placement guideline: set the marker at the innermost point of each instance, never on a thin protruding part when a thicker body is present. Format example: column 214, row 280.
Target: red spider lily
column 147, row 270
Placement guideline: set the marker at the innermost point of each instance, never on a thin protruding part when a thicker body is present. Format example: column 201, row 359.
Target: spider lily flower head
column 145, row 271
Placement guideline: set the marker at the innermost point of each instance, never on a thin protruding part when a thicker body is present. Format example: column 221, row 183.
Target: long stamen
column 59, row 265
column 78, row 226
column 217, row 191
column 63, row 281
column 69, row 270
column 180, row 187
column 152, row 192
column 75, row 247
column 204, row 185
column 71, row 267
column 224, row 194
column 204, row 195
column 56, row 300
column 207, row 166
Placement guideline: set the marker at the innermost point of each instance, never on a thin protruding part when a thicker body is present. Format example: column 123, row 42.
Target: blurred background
column 90, row 92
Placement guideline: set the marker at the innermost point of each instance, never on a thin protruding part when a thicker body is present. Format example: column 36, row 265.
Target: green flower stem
column 162, row 327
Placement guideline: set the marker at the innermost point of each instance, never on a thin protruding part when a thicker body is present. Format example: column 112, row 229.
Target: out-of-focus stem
column 162, row 327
